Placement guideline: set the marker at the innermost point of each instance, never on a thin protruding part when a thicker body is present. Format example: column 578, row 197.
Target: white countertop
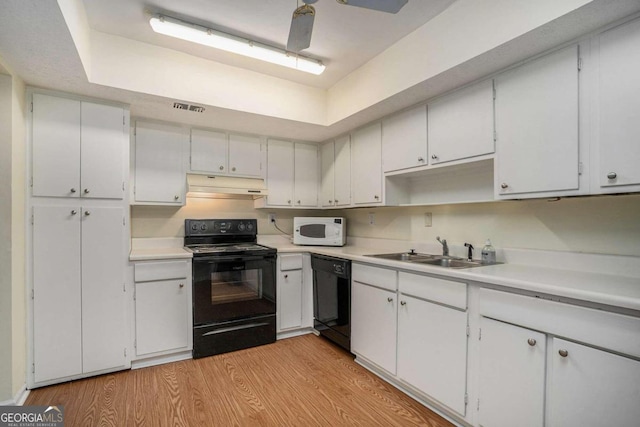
column 158, row 248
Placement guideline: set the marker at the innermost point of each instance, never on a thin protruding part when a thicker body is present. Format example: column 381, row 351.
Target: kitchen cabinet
column 160, row 175
column 536, row 115
column 77, row 148
column 404, row 140
column 374, row 313
column 290, row 292
column 79, row 323
column 366, row 165
column 618, row 110
column 209, row 152
column 292, row 174
column 461, row 124
column 245, row 155
column 511, row 377
column 432, row 338
column 335, row 160
column 162, row 307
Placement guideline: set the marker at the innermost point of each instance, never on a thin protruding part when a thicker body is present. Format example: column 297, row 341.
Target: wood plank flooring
column 303, row 381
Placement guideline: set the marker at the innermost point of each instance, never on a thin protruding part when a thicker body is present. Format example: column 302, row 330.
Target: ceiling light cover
column 216, row 39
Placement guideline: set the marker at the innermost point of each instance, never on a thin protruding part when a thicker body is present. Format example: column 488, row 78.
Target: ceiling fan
column 303, row 16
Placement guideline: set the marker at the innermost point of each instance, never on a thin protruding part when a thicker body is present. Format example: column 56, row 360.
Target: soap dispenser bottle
column 488, row 253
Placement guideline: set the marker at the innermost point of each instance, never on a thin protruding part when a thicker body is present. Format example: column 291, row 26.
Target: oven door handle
column 235, row 328
column 232, row 258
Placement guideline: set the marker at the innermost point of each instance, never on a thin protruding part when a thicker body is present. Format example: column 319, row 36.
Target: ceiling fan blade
column 301, row 28
column 389, row 6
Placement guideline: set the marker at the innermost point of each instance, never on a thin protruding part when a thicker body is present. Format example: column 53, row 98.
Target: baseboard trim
column 294, row 333
column 161, row 360
column 18, row 399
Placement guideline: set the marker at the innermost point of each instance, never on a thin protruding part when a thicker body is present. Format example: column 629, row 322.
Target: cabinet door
column 290, row 299
column 404, row 140
column 366, row 164
column 590, row 387
column 104, row 332
column 537, row 126
column 432, row 350
column 461, row 124
column 103, row 145
column 342, row 171
column 327, row 171
column 619, row 106
column 373, row 325
column 512, row 375
column 57, row 317
column 55, row 146
column 162, row 322
column 245, row 155
column 305, row 174
column 209, row 151
column 280, row 172
column 159, row 171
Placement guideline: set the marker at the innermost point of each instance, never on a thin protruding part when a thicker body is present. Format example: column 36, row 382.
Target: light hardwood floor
column 303, row 381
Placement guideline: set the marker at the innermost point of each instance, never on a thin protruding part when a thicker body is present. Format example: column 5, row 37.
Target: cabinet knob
column 563, row 353
column 434, row 157
column 531, row 342
column 73, row 212
column 73, row 190
column 335, row 201
column 330, row 201
column 612, row 175
column 288, row 202
column 421, row 159
column 176, row 197
column 376, row 197
column 389, row 299
column 181, row 285
column 87, row 213
column 86, row 191
column 298, row 201
column 403, row 303
column 504, row 185
column 221, row 168
column 233, row 169
column 286, row 276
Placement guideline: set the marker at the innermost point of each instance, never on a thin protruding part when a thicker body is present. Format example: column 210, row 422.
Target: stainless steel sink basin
column 451, row 263
column 437, row 260
column 405, row 256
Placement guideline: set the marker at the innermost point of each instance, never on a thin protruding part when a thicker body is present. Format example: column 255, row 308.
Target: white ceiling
column 344, row 37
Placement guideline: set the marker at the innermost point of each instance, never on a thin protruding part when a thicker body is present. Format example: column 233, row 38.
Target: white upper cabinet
column 335, row 160
column 404, row 140
column 292, row 174
column 218, row 153
column 77, row 148
column 536, row 114
column 160, row 176
column 245, row 155
column 461, row 124
column 618, row 107
column 366, row 165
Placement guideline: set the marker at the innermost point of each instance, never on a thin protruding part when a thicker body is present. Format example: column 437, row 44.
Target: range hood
column 225, row 187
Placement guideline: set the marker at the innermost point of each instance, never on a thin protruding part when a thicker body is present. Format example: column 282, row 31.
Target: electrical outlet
column 428, row 219
column 372, row 218
column 272, row 218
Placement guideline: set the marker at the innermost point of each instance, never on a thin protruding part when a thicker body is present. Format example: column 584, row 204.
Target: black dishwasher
column 332, row 298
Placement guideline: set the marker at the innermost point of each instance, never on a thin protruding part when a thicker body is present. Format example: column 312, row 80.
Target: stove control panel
column 219, row 227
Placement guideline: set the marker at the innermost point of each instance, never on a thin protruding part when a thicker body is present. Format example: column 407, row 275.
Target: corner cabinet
column 159, row 164
column 292, row 174
column 366, row 165
column 537, row 138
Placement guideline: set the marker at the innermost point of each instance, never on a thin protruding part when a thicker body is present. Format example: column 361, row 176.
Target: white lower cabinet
column 294, row 294
column 163, row 322
column 511, row 377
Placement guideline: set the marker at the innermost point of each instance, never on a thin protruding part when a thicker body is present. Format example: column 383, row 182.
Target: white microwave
column 319, row 231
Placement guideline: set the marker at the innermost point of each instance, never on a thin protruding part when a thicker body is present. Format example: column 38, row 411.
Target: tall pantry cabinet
column 78, row 238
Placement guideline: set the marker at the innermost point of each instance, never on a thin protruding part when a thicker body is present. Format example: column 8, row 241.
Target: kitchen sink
column 451, row 262
column 405, row 256
column 437, row 260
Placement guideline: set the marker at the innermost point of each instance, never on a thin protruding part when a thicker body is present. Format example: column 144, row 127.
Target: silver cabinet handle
column 73, row 190
column 335, row 201
column 330, row 201
column 73, row 212
column 376, row 197
column 389, row 299
column 181, row 285
column 504, row 185
column 221, row 168
column 288, row 202
column 434, row 157
column 87, row 213
column 286, row 276
column 298, row 201
column 531, row 342
column 233, row 169
column 563, row 353
column 403, row 303
column 420, row 159
column 176, row 197
column 612, row 175
column 86, row 191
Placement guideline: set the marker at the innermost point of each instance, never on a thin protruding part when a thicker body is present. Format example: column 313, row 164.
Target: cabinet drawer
column 151, row 271
column 442, row 291
column 290, row 262
column 379, row 277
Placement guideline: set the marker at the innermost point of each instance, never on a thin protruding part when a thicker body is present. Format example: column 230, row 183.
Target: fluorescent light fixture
column 219, row 40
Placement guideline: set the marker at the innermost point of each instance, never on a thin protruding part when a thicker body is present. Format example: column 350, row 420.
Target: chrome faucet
column 445, row 248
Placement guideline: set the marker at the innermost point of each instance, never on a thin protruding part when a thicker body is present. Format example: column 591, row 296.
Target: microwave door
column 314, row 231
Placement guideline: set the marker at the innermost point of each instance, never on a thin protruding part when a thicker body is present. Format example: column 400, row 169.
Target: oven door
column 234, row 287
